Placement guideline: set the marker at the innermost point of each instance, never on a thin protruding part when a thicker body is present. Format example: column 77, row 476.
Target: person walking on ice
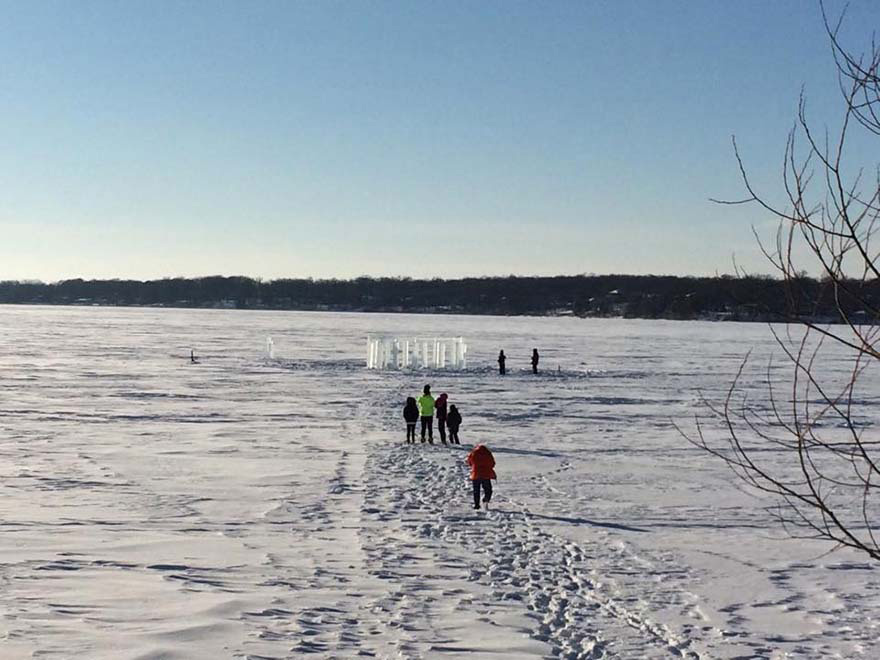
column 502, row 359
column 482, row 464
column 453, row 421
column 411, row 415
column 440, row 409
column 426, row 408
column 535, row 358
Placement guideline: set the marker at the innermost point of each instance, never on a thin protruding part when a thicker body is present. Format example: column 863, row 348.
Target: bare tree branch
column 805, row 445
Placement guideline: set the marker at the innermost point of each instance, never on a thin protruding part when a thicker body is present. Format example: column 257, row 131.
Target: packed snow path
column 417, row 497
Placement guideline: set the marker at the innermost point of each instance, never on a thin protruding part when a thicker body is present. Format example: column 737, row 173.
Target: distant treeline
column 634, row 296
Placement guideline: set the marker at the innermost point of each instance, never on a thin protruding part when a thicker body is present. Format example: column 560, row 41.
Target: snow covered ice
column 251, row 506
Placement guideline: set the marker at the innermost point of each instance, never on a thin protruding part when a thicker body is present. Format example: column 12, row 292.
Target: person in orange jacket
column 482, row 464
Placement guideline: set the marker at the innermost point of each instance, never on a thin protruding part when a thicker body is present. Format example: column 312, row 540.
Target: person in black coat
column 440, row 413
column 502, row 358
column 453, row 421
column 411, row 415
column 535, row 359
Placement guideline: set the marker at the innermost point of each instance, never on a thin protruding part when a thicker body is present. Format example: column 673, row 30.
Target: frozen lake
column 247, row 507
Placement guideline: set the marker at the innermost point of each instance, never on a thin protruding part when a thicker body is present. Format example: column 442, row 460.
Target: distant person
column 192, row 356
column 453, row 421
column 502, row 359
column 535, row 358
column 440, row 413
column 411, row 415
column 426, row 409
column 482, row 472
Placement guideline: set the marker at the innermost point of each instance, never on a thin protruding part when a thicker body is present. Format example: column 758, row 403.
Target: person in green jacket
column 426, row 409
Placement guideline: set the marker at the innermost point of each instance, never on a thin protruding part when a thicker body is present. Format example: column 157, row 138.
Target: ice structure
column 389, row 352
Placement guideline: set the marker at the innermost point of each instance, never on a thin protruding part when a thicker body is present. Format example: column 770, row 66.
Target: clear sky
column 337, row 139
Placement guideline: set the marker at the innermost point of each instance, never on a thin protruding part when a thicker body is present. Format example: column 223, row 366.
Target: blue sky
column 337, row 139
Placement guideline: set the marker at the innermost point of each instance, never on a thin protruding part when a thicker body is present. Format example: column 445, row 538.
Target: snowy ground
column 253, row 508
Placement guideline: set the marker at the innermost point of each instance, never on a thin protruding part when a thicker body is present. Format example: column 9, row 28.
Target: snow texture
column 254, row 507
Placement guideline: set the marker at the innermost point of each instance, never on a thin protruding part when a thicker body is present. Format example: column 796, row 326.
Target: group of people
column 480, row 458
column 502, row 362
column 425, row 409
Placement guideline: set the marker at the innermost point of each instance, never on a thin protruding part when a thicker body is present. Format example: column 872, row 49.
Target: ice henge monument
column 389, row 352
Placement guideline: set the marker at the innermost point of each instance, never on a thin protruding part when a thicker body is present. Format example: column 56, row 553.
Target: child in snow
column 482, row 472
column 411, row 415
column 453, row 421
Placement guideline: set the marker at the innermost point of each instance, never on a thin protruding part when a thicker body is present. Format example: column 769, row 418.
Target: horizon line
column 387, row 277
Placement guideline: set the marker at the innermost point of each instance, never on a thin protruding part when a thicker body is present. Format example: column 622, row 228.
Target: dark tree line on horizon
column 746, row 298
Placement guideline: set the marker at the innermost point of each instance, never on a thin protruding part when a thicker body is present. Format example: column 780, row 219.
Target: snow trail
column 418, row 497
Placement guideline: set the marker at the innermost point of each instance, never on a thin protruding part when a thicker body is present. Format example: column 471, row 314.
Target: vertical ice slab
column 391, row 352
